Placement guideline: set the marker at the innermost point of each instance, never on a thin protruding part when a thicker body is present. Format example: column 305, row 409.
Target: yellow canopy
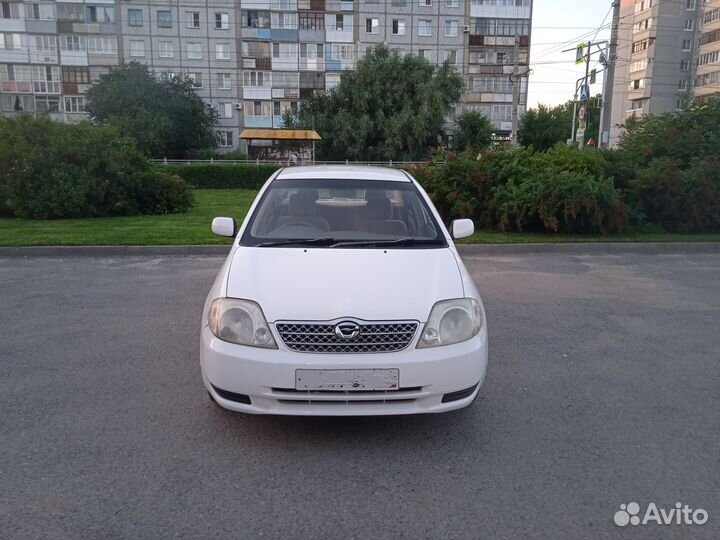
column 281, row 134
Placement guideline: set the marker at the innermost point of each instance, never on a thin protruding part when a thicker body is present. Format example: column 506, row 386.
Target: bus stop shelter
column 295, row 145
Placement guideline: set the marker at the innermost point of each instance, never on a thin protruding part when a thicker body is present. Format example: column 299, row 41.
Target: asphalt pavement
column 603, row 388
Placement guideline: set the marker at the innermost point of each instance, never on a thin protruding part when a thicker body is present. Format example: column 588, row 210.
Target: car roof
column 340, row 172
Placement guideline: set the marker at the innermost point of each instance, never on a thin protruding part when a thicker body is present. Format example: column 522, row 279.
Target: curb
column 599, row 248
column 604, row 248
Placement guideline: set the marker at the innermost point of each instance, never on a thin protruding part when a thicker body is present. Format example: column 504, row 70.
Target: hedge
column 55, row 170
column 222, row 175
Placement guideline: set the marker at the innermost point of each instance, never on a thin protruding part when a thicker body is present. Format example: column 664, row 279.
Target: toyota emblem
column 347, row 330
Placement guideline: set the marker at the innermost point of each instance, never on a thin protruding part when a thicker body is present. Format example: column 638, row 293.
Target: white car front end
column 332, row 331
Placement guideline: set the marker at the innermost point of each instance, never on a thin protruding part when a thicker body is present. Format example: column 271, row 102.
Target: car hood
column 316, row 284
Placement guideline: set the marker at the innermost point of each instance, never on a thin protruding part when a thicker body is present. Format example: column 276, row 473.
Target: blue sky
column 556, row 21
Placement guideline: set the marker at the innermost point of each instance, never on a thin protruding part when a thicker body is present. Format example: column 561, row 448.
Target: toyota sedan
column 343, row 294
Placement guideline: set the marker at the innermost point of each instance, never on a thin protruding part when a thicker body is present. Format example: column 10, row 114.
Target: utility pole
column 609, row 82
column 516, row 89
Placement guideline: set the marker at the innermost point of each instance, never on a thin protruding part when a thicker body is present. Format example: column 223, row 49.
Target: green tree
column 474, row 132
column 389, row 107
column 166, row 117
column 676, row 184
column 544, row 127
column 58, row 170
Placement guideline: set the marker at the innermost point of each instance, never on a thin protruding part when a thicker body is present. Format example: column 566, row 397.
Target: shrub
column 55, row 170
column 680, row 199
column 567, row 202
column 223, row 175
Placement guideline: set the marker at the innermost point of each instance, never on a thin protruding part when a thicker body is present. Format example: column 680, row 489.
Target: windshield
column 342, row 213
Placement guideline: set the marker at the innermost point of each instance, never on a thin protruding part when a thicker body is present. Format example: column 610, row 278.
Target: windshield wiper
column 324, row 241
column 381, row 243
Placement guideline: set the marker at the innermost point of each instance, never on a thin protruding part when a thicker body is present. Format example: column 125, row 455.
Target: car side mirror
column 224, row 226
column 462, row 228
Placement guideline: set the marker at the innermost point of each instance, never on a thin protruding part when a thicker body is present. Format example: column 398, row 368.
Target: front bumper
column 267, row 378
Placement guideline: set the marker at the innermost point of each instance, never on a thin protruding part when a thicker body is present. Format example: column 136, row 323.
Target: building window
column 637, row 84
column 683, row 85
column 164, row 19
column 46, row 44
column 71, row 12
column 193, row 19
column 284, row 21
column 451, row 56
column 424, row 27
column 222, row 51
column 225, row 138
column 372, row 26
column 643, row 25
column 640, row 46
column 342, row 52
column 42, row 12
column 689, row 25
column 451, row 28
column 339, row 23
column 453, row 3
column 276, row 109
column 398, row 27
column 257, row 78
column 224, row 81
column 222, row 21
column 423, row 53
column 684, row 65
column 135, row 17
column 75, row 104
column 165, row 49
column 79, row 75
column 255, row 19
column 639, row 65
column 312, row 21
column 137, row 47
column 10, row 41
column 194, row 50
column 47, row 103
column 643, row 5
column 102, row 45
column 224, row 110
column 686, row 45
column 197, row 78
column 99, row 14
column 425, row 3
column 311, row 50
column 690, row 6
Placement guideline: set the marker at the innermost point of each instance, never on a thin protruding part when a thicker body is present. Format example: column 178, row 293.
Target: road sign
column 580, row 54
column 584, row 92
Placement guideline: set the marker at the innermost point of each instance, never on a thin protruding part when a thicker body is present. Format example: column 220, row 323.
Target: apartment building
column 499, row 36
column 657, row 56
column 253, row 60
column 707, row 77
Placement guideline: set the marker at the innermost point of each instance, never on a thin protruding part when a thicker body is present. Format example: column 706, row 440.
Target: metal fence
column 285, row 163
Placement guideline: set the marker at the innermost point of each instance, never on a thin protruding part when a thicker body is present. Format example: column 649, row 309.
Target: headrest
column 302, row 203
column 379, row 209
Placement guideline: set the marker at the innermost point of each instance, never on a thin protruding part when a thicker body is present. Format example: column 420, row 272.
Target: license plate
column 356, row 380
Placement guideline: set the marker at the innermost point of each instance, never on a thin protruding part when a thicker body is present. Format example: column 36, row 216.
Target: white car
column 343, row 294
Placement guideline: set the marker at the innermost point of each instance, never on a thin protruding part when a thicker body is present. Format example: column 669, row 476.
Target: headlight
column 451, row 321
column 240, row 321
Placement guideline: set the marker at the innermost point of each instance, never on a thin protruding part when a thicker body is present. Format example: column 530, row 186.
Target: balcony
column 262, row 64
column 258, row 121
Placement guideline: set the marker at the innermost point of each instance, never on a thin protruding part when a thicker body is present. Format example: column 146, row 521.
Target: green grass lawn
column 193, row 228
